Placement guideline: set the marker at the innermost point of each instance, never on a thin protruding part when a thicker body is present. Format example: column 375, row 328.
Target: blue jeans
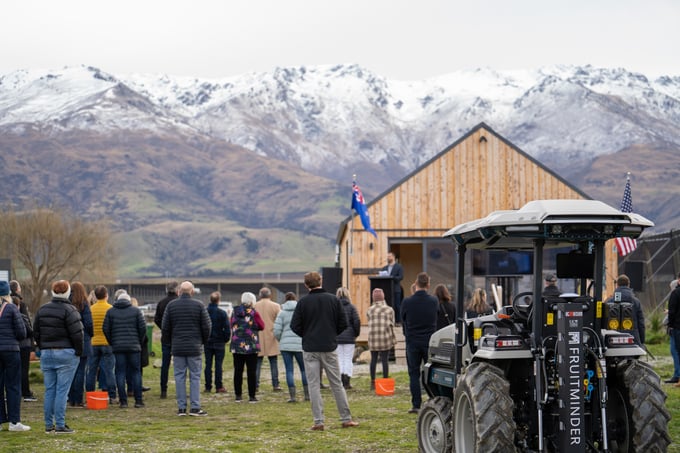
column 125, row 360
column 166, row 350
column 58, row 367
column 193, row 365
column 102, row 359
column 288, row 357
column 415, row 356
column 675, row 343
column 75, row 395
column 273, row 365
column 216, row 353
column 10, row 381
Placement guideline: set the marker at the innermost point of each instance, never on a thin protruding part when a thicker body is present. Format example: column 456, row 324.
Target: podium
column 385, row 283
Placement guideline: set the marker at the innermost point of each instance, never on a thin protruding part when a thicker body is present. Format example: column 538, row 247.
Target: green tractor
column 544, row 374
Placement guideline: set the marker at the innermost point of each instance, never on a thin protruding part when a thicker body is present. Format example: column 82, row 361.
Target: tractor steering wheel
column 522, row 305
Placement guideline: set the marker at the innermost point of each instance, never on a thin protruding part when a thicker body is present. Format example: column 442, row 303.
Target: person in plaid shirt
column 380, row 333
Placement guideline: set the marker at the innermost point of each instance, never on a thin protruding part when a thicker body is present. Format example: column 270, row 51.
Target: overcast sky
column 398, row 39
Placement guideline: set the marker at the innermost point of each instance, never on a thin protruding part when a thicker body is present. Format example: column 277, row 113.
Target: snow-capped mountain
column 347, row 116
column 238, row 168
column 332, row 120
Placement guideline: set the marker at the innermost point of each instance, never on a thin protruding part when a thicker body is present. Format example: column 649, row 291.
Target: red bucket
column 97, row 400
column 384, row 386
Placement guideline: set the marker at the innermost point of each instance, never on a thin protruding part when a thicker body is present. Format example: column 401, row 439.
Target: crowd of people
column 84, row 342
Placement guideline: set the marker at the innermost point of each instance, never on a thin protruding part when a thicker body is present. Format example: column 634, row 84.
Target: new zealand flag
column 359, row 206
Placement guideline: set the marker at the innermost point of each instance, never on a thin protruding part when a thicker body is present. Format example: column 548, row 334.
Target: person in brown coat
column 380, row 333
column 269, row 345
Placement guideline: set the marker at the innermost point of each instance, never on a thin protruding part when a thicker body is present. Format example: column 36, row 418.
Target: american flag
column 626, row 245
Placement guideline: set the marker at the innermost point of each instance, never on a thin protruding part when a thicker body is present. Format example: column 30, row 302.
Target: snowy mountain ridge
column 328, row 118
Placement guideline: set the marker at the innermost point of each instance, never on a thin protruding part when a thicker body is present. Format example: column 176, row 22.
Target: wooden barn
column 479, row 173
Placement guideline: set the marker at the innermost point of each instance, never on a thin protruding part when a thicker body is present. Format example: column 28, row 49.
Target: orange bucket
column 97, row 400
column 384, row 386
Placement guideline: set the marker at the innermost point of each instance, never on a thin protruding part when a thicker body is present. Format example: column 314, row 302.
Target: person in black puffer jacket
column 187, row 324
column 58, row 331
column 125, row 330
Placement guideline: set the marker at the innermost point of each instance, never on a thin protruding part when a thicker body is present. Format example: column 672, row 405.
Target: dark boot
column 373, row 385
column 291, row 391
column 306, row 390
column 343, row 378
column 348, row 386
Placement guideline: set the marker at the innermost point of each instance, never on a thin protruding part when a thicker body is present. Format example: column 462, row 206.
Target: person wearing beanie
column 12, row 330
column 125, row 330
column 624, row 293
column 58, row 332
column 551, row 289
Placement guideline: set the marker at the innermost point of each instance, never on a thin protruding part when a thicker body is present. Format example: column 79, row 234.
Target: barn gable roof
column 485, row 127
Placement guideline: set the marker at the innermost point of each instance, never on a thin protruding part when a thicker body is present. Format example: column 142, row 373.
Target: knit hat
column 550, row 278
column 124, row 296
column 4, row 288
column 61, row 290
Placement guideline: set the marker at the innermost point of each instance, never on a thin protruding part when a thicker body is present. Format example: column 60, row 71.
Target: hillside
column 253, row 173
column 182, row 204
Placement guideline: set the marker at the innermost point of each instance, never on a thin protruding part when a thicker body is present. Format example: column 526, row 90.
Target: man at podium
column 394, row 270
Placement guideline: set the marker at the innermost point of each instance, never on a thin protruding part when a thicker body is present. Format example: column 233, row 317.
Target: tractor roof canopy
column 559, row 222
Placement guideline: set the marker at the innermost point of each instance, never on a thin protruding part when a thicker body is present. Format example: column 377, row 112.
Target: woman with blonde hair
column 347, row 339
column 478, row 305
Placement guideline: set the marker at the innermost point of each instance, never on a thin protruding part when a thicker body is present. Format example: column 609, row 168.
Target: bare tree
column 45, row 245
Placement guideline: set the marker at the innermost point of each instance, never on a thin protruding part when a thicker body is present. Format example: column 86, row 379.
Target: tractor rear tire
column 434, row 426
column 483, row 412
column 637, row 417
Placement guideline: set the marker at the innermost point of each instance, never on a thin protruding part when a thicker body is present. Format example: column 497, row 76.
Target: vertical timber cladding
column 480, row 173
column 570, row 364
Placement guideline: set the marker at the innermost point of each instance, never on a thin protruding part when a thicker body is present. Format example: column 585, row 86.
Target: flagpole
column 351, row 222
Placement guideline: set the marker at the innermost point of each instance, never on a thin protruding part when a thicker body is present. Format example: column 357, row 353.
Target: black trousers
column 384, row 359
column 25, row 354
column 250, row 363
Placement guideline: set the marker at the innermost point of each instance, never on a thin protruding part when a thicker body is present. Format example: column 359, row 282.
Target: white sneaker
column 18, row 427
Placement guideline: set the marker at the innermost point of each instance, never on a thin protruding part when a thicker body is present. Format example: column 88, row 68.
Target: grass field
column 272, row 425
